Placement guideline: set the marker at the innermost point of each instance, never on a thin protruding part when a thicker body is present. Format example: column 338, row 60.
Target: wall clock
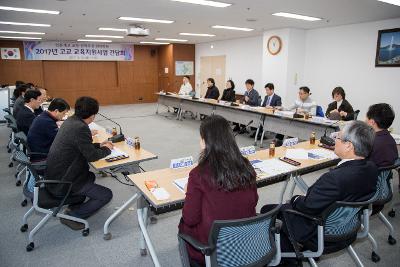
column 274, row 45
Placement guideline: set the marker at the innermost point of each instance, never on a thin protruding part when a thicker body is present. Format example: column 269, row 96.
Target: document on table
column 396, row 138
column 160, row 193
column 321, row 154
column 94, row 126
column 274, row 167
column 181, row 184
column 297, row 153
column 115, row 152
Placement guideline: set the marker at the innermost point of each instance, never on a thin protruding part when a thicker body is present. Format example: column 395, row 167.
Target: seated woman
column 340, row 108
column 221, row 187
column 229, row 92
column 304, row 104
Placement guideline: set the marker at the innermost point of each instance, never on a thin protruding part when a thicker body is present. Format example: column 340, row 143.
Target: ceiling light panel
column 197, row 34
column 24, row 24
column 296, row 16
column 232, row 28
column 30, row 10
column 204, row 3
column 146, row 20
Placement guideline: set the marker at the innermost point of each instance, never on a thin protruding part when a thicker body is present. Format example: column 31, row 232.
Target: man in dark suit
column 26, row 114
column 251, row 96
column 340, row 107
column 68, row 159
column 271, row 100
column 212, row 90
column 353, row 180
column 20, row 101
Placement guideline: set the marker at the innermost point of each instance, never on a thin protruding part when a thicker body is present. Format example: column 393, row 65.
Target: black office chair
column 384, row 194
column 338, row 228
column 246, row 242
column 44, row 202
column 356, row 114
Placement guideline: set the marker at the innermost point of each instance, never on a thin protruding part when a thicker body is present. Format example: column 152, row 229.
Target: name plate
column 129, row 141
column 248, row 150
column 181, row 163
column 291, row 142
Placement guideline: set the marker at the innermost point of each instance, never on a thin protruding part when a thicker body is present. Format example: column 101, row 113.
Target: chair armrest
column 318, row 220
column 36, row 154
column 52, row 182
column 204, row 249
column 355, row 204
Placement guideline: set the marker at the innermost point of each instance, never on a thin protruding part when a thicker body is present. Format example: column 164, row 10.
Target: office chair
column 384, row 194
column 356, row 113
column 338, row 228
column 44, row 202
column 232, row 243
column 320, row 112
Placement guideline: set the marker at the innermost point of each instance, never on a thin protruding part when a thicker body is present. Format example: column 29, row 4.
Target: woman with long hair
column 221, row 187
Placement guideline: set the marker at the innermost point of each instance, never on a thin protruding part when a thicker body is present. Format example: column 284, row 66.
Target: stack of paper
column 115, row 152
column 297, row 153
column 181, row 184
column 273, row 167
column 322, row 153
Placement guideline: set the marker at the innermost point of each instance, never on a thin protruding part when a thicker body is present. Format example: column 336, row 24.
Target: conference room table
column 281, row 122
column 165, row 179
column 135, row 157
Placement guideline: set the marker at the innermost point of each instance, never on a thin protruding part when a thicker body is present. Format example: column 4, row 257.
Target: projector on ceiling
column 138, row 32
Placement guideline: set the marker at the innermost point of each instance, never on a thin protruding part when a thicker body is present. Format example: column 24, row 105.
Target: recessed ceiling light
column 156, row 43
column 94, row 41
column 393, row 2
column 103, row 36
column 146, row 20
column 172, row 40
column 232, row 28
column 41, row 11
column 21, row 37
column 33, row 33
column 204, row 3
column 112, row 29
column 197, row 34
column 24, row 24
column 295, row 16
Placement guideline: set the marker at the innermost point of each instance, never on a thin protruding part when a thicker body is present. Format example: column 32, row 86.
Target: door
column 212, row 67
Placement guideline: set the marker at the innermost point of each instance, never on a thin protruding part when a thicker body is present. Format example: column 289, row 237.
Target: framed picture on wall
column 388, row 48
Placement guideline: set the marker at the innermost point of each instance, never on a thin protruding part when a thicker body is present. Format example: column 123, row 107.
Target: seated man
column 251, row 96
column 19, row 98
column 340, row 108
column 26, row 114
column 384, row 152
column 186, row 87
column 353, row 180
column 44, row 128
column 42, row 99
column 271, row 100
column 68, row 159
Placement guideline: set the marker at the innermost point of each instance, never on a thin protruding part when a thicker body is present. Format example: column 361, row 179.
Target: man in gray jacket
column 68, row 159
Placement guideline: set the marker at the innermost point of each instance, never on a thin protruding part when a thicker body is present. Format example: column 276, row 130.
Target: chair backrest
column 244, row 242
column 21, row 138
column 384, row 192
column 356, row 114
column 320, row 112
column 10, row 119
column 342, row 220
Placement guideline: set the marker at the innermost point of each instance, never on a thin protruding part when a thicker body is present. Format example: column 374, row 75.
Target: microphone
column 326, row 140
column 241, row 130
column 118, row 137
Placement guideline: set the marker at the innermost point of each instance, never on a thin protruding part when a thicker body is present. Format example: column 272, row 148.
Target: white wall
column 345, row 56
column 243, row 60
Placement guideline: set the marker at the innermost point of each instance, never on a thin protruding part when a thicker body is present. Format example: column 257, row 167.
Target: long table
column 136, row 156
column 278, row 122
column 165, row 179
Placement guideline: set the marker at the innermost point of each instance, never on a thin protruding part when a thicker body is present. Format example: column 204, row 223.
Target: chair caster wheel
column 16, row 175
column 153, row 220
column 392, row 213
column 30, row 247
column 10, row 165
column 391, row 240
column 85, row 232
column 24, row 228
column 107, row 236
column 143, row 252
column 9, row 150
column 375, row 257
column 18, row 183
column 24, row 203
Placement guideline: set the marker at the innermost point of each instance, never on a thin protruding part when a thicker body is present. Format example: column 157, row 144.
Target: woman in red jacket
column 221, row 187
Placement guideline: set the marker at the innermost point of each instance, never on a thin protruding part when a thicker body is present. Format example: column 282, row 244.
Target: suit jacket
column 345, row 106
column 254, row 98
column 42, row 133
column 276, row 101
column 204, row 204
column 69, row 155
column 212, row 92
column 24, row 119
column 229, row 95
column 384, row 152
column 351, row 181
column 18, row 105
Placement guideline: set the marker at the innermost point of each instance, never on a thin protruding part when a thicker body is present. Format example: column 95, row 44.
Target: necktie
column 268, row 101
